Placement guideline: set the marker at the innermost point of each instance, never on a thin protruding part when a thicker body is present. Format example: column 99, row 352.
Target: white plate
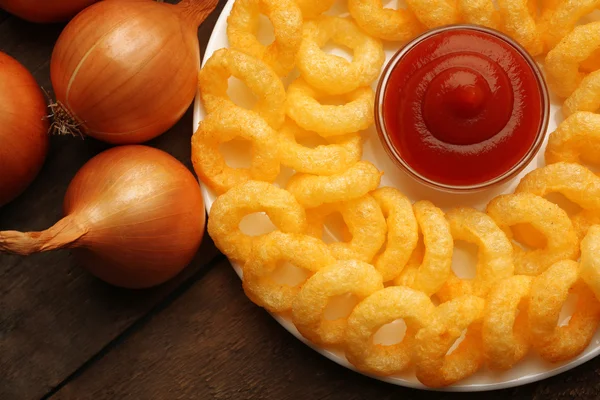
column 532, row 368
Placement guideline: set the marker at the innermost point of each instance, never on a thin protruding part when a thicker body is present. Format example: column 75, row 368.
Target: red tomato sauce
column 463, row 107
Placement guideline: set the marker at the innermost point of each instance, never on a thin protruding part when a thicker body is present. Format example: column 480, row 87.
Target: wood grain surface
column 66, row 335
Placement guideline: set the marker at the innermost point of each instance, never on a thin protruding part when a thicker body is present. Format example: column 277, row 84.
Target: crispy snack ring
column 576, row 140
column 251, row 197
column 384, row 23
column 563, row 62
column 365, row 222
column 435, row 13
column 590, row 259
column 586, row 97
column 334, row 74
column 409, row 273
column 547, row 218
column 313, row 191
column 286, row 17
column 436, row 266
column 480, row 12
column 336, row 157
column 434, row 367
column 302, row 105
column 314, row 8
column 519, row 23
column 549, row 292
column 258, row 76
column 495, row 256
column 505, row 331
column 355, row 277
column 563, row 18
column 302, row 251
column 583, row 221
column 381, row 308
column 402, row 232
column 223, row 125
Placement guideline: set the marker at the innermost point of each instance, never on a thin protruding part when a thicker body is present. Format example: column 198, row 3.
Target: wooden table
column 66, row 335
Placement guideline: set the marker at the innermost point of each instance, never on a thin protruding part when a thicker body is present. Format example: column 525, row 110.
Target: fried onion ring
column 562, row 62
column 286, row 17
column 583, row 220
column 333, row 74
column 435, row 13
column 480, row 12
column 223, row 125
column 505, row 331
column 251, row 197
column 590, row 259
column 384, row 23
column 269, row 251
column 495, row 256
column 547, row 218
column 519, row 23
column 313, row 191
column 314, row 8
column 258, row 76
column 586, row 97
column 436, row 368
column 333, row 158
column 402, row 232
column 549, row 292
column 303, row 106
column 577, row 139
column 381, row 308
column 365, row 222
column 563, row 19
column 359, row 278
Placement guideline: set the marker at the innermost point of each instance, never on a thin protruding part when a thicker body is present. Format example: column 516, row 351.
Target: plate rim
column 208, row 197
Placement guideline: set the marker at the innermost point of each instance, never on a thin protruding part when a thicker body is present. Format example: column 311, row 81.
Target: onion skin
column 44, row 11
column 23, row 128
column 134, row 214
column 126, row 70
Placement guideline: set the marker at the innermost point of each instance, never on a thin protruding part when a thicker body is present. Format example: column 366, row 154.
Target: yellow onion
column 125, row 71
column 134, row 214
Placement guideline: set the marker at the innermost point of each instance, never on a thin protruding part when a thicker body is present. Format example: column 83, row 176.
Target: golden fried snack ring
column 402, row 232
column 286, row 17
column 381, row 308
column 590, row 260
column 548, row 218
column 302, row 105
column 384, row 23
column 586, row 97
column 223, row 125
column 480, row 12
column 258, row 76
column 519, row 23
column 365, row 222
column 434, row 368
column 435, row 13
column 505, row 331
column 313, row 190
column 314, row 8
column 302, row 251
column 409, row 273
column 577, row 139
column 356, row 277
column 251, row 197
column 549, row 292
column 563, row 62
column 563, row 18
column 333, row 74
column 583, row 221
column 495, row 256
column 333, row 158
column 436, row 265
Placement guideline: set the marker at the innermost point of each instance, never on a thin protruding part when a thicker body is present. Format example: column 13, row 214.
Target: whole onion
column 45, row 10
column 124, row 71
column 23, row 128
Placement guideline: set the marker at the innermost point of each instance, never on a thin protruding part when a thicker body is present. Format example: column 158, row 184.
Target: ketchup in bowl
column 462, row 108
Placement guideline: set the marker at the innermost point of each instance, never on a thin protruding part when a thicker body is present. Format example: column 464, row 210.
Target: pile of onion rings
column 394, row 258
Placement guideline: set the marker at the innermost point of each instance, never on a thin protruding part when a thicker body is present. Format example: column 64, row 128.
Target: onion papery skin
column 23, row 128
column 45, row 11
column 126, row 70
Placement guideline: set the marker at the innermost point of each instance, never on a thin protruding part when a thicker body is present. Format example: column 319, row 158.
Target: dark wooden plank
column 213, row 343
column 53, row 315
